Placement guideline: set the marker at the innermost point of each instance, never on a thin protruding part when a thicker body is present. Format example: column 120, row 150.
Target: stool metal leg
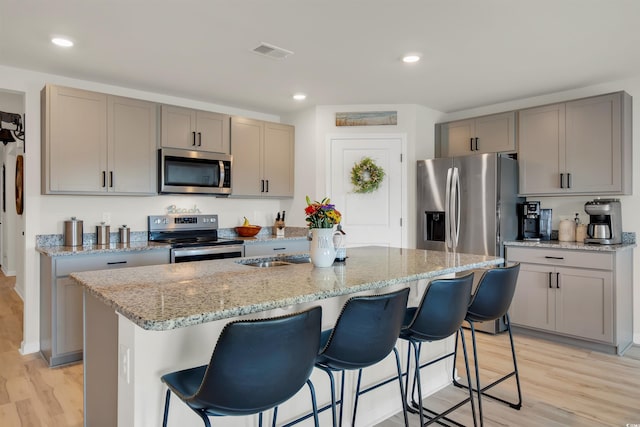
column 166, row 409
column 515, row 405
column 314, row 404
column 435, row 417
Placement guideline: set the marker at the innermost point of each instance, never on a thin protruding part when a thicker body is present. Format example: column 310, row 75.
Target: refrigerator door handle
column 455, row 207
column 447, row 207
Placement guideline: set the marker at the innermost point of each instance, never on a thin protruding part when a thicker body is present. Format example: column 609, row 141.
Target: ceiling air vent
column 272, row 51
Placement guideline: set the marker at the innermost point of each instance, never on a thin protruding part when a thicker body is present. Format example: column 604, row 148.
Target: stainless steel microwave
column 194, row 172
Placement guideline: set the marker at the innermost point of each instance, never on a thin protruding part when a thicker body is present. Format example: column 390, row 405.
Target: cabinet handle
column 111, row 179
column 470, row 144
column 557, row 280
column 476, row 143
column 279, row 249
column 116, row 262
column 194, row 139
column 267, row 186
column 568, row 180
column 561, row 180
column 104, row 179
column 550, row 287
column 262, row 185
column 554, row 257
column 199, row 139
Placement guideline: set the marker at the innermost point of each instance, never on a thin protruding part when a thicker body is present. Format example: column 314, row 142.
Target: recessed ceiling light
column 299, row 96
column 410, row 58
column 61, row 41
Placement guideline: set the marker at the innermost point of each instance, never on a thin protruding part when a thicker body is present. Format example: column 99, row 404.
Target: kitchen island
column 143, row 322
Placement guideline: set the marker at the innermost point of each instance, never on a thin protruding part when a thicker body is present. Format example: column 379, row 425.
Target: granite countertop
column 54, row 251
column 555, row 244
column 164, row 297
column 52, row 244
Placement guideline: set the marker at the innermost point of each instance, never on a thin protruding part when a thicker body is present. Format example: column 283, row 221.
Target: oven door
column 204, row 253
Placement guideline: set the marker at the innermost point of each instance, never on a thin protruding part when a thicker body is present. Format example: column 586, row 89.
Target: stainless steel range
column 192, row 237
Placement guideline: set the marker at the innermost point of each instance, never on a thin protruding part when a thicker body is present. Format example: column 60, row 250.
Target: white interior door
column 368, row 218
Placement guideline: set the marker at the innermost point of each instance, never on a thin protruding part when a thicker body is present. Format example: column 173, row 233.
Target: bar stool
column 491, row 301
column 439, row 315
column 365, row 333
column 255, row 366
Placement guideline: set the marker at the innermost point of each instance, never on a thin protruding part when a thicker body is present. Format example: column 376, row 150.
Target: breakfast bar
column 143, row 322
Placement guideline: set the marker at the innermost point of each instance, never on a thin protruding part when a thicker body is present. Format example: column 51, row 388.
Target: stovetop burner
column 186, row 230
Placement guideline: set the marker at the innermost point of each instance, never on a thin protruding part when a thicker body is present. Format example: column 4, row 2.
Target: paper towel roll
column 567, row 231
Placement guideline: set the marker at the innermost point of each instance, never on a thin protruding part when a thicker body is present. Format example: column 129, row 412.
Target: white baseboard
column 29, row 347
column 7, row 272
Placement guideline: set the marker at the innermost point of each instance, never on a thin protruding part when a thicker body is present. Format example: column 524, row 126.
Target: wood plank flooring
column 562, row 385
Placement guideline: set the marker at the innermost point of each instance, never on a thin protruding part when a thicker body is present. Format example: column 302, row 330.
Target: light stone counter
column 56, row 251
column 555, row 244
column 165, row 297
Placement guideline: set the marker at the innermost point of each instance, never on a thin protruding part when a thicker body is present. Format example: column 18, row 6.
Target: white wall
column 566, row 207
column 317, row 126
column 45, row 214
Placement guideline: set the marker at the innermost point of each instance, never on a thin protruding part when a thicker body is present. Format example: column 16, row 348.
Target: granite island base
column 141, row 323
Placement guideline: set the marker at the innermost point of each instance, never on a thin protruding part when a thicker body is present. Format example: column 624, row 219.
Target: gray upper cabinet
column 263, row 158
column 576, row 147
column 93, row 143
column 190, row 129
column 487, row 134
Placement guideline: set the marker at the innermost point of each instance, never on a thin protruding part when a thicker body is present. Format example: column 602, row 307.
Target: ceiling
column 474, row 52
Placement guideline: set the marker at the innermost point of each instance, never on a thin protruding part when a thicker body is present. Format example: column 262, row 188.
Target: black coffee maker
column 533, row 223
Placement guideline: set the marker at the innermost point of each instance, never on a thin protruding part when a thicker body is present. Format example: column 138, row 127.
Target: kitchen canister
column 102, row 234
column 73, row 232
column 125, row 234
column 581, row 232
column 567, row 230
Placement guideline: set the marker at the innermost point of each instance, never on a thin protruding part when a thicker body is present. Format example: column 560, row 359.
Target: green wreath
column 366, row 176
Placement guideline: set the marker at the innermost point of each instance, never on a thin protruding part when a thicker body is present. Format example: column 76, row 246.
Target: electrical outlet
column 106, row 217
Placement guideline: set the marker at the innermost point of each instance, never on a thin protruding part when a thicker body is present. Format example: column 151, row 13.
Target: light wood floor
column 562, row 385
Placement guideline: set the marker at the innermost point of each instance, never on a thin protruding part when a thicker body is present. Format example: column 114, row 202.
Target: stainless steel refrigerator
column 468, row 204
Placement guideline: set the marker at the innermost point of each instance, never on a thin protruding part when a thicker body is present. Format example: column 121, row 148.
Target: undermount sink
column 266, row 264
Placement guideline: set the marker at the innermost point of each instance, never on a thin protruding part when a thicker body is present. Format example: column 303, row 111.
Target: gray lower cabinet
column 274, row 247
column 61, row 337
column 580, row 295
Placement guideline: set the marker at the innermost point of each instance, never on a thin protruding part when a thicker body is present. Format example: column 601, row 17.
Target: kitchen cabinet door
column 132, row 146
column 278, row 162
column 178, row 127
column 74, row 143
column 534, row 303
column 457, row 138
column 246, row 146
column 263, row 158
column 190, row 129
column 584, row 301
column 212, row 132
column 488, row 134
column 496, row 133
column 594, row 144
column 541, row 149
column 68, row 315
